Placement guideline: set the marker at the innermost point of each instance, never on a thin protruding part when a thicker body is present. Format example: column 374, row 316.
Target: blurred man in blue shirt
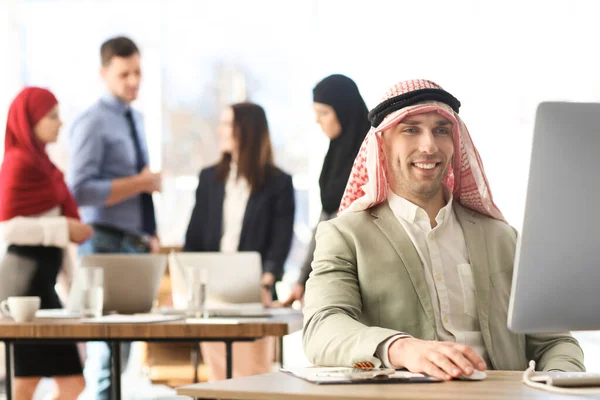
column 110, row 179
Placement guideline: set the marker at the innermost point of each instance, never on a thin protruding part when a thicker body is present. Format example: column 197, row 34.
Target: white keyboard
column 568, row 379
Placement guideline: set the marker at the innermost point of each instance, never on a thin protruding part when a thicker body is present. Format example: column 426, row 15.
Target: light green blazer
column 368, row 284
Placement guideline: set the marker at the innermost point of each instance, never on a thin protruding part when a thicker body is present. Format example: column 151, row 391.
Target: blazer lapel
column 389, row 225
column 476, row 247
column 248, row 214
column 216, row 217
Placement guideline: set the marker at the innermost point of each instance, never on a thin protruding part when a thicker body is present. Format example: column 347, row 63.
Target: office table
column 499, row 385
column 48, row 331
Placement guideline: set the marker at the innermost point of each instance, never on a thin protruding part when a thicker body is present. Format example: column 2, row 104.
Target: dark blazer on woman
column 268, row 221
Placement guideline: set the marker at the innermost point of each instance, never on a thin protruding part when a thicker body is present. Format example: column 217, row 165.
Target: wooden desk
column 499, row 385
column 72, row 330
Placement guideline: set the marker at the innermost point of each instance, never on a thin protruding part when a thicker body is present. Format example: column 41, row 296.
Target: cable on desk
column 549, row 388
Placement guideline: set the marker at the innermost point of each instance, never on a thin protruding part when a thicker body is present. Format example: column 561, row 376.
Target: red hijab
column 30, row 183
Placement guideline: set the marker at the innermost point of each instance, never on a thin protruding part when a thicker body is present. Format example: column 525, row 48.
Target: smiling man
column 111, row 180
column 416, row 271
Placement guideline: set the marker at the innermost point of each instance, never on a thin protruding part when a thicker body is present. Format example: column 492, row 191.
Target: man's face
column 418, row 152
column 122, row 76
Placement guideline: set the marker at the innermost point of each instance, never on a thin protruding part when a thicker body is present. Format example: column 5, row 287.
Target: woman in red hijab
column 38, row 219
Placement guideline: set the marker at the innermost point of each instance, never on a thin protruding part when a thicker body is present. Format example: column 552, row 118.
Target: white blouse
column 237, row 193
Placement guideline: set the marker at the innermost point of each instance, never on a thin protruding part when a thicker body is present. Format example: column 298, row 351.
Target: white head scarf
column 368, row 184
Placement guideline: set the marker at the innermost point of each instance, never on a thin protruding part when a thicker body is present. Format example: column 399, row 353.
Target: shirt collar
column 408, row 211
column 114, row 103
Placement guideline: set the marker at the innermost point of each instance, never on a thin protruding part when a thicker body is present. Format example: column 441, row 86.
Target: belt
column 141, row 242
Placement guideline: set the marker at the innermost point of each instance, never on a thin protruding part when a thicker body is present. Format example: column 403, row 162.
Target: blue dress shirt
column 101, row 149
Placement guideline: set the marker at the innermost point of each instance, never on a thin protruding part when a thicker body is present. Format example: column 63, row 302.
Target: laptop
column 131, row 281
column 233, row 282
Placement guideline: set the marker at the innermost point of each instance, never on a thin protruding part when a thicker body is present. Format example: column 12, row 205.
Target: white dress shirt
column 237, row 193
column 448, row 273
column 46, row 229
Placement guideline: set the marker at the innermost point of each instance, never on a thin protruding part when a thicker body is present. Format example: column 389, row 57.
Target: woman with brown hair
column 244, row 203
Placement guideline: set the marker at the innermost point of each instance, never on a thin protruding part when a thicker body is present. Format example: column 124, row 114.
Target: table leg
column 115, row 348
column 228, row 359
column 8, row 359
column 196, row 359
column 281, row 351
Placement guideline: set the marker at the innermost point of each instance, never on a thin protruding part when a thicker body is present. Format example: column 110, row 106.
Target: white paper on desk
column 213, row 321
column 235, row 306
column 59, row 313
column 336, row 374
column 250, row 308
column 283, row 311
column 226, row 321
column 130, row 319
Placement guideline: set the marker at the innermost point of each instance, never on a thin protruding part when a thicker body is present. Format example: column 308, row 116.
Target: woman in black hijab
column 342, row 114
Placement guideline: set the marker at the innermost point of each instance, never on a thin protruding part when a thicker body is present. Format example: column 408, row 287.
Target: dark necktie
column 148, row 217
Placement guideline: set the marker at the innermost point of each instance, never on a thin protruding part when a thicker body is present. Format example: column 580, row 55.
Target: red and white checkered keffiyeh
column 368, row 183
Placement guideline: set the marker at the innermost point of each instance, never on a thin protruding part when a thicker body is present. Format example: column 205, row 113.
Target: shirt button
column 445, row 318
column 438, row 277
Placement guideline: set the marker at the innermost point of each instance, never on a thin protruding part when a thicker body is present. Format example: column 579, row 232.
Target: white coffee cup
column 22, row 308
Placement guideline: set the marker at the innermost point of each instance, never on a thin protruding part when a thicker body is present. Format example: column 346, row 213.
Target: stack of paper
column 131, row 319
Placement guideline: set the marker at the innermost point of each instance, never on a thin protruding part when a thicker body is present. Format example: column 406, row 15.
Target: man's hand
column 78, row 231
column 154, row 244
column 296, row 294
column 443, row 360
column 151, row 181
column 123, row 188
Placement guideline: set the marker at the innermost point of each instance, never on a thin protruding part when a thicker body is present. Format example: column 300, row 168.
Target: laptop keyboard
column 568, row 379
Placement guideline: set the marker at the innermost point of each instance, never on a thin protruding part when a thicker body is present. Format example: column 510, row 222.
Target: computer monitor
column 131, row 281
column 556, row 280
column 232, row 278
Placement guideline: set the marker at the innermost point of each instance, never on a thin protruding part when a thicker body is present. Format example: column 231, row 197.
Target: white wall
column 10, row 80
column 10, row 67
column 499, row 58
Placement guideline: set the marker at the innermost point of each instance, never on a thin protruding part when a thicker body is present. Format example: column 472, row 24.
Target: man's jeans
column 97, row 363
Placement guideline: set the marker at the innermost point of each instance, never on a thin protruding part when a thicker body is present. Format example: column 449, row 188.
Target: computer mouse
column 475, row 376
